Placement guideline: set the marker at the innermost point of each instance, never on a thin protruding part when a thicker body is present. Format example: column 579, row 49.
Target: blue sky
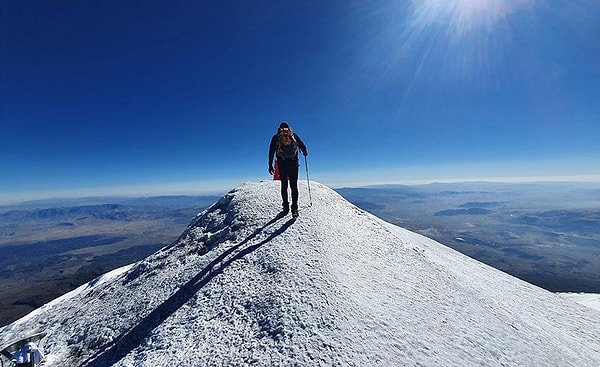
column 108, row 97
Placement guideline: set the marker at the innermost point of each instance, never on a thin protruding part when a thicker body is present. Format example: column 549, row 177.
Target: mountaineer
column 285, row 145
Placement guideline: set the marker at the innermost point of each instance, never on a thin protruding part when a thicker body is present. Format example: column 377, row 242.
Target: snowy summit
column 244, row 285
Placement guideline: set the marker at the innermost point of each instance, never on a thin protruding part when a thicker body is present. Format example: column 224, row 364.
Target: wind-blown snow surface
column 336, row 287
column 588, row 299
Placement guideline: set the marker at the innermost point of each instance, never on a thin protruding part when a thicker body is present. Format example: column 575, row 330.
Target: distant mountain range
column 132, row 209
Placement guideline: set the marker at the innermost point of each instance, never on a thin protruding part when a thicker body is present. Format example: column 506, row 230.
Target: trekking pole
column 307, row 180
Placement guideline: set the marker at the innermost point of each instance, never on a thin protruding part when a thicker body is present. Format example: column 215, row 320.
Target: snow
column 587, row 299
column 336, row 287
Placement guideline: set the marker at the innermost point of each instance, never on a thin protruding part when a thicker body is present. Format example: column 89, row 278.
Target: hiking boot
column 285, row 208
column 295, row 213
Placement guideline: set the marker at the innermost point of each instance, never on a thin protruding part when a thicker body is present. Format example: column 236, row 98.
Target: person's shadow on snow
column 129, row 340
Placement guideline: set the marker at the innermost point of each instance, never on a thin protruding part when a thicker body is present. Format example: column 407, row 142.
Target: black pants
column 288, row 173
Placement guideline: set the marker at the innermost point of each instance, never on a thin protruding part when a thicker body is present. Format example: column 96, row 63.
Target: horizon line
column 222, row 186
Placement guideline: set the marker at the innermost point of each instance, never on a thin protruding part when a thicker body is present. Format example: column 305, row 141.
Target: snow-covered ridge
column 338, row 286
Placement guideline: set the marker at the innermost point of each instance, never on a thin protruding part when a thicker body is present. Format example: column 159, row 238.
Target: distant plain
column 545, row 233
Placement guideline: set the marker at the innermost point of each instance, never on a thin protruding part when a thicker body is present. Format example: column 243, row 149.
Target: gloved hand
column 271, row 170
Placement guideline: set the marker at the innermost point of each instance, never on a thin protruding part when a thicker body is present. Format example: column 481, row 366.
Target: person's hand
column 305, row 154
column 271, row 170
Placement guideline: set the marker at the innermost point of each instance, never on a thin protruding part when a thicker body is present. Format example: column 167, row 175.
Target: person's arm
column 272, row 148
column 301, row 144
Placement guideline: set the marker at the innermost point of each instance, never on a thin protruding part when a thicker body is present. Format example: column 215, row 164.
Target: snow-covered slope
column 336, row 287
column 587, row 299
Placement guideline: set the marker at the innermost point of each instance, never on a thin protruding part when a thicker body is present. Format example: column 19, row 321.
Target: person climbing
column 285, row 145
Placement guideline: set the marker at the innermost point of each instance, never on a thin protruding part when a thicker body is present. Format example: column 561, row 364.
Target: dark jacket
column 273, row 147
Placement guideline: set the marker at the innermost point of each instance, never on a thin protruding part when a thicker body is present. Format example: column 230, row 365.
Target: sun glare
column 453, row 43
column 464, row 16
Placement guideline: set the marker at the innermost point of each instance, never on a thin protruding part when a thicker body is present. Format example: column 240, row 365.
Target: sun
column 462, row 17
column 416, row 47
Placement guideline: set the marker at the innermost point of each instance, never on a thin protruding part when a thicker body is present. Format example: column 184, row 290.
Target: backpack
column 289, row 151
